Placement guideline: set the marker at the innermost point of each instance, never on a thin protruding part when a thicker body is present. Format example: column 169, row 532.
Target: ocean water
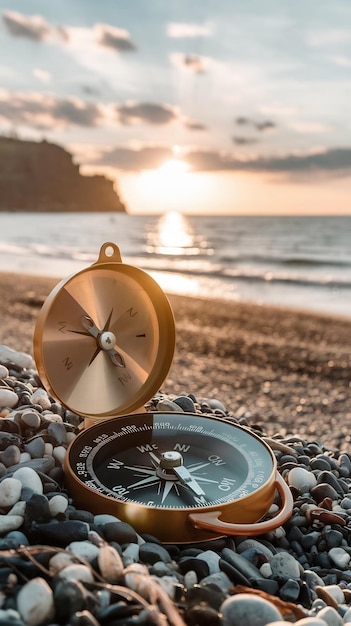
column 300, row 262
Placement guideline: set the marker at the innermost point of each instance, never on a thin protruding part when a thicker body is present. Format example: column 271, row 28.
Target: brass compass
column 103, row 344
column 104, row 339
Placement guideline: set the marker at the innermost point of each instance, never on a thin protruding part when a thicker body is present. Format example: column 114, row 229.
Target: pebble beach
column 281, row 373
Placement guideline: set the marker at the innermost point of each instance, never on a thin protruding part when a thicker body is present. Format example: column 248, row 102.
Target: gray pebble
column 185, row 403
column 245, row 608
column 168, row 405
column 152, row 552
column 285, row 566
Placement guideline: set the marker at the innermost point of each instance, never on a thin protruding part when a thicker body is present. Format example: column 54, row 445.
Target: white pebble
column 48, row 450
column 41, row 397
column 266, row 570
column 330, row 616
column 25, row 457
column 336, row 592
column 84, row 550
column 59, row 561
column 340, row 557
column 18, row 509
column 29, row 478
column 301, row 479
column 77, row 572
column 8, row 398
column 10, row 522
column 35, row 602
column 4, row 372
column 59, row 454
column 7, row 355
column 58, row 504
column 10, row 492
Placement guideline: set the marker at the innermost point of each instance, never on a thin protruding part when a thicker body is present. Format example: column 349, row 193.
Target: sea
column 296, row 262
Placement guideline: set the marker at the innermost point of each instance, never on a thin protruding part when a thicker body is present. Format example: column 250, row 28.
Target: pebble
column 35, row 602
column 303, row 567
column 28, row 477
column 4, row 372
column 21, row 359
column 247, row 609
column 10, row 492
column 301, row 479
column 8, row 398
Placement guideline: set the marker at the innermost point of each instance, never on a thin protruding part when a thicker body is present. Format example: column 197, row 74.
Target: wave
column 306, row 261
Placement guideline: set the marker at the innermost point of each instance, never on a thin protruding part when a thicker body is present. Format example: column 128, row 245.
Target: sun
column 173, row 167
column 173, row 186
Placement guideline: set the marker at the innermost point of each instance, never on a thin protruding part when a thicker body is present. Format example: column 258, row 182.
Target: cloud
column 138, row 159
column 46, row 111
column 244, row 141
column 191, row 125
column 264, row 126
column 112, row 37
column 190, row 62
column 332, row 161
column 32, row 27
column 261, row 126
column 180, row 30
column 149, row 112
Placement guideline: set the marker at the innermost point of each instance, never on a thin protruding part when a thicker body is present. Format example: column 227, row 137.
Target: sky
column 202, row 106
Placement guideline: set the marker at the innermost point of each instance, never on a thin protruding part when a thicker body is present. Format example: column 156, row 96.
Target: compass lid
column 104, row 339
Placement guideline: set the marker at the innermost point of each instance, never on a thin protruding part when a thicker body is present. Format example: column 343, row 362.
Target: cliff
column 42, row 177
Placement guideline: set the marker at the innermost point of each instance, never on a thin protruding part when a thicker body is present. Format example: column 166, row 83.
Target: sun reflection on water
column 174, row 236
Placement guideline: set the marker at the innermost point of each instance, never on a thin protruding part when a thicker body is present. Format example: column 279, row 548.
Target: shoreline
column 284, row 370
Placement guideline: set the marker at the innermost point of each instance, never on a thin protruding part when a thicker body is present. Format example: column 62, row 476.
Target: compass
column 181, row 477
column 103, row 344
column 104, row 338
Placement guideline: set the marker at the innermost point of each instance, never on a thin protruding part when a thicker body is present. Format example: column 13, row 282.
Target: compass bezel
column 170, row 525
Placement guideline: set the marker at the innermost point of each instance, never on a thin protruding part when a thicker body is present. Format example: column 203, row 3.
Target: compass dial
column 143, row 468
column 104, row 340
column 133, row 473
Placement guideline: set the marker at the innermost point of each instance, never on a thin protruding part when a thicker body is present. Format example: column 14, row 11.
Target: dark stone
column 189, row 564
column 121, row 532
column 185, row 403
column 209, row 595
column 37, row 510
column 247, row 569
column 204, row 615
column 8, row 439
column 152, row 552
column 60, row 533
column 69, row 597
column 290, row 591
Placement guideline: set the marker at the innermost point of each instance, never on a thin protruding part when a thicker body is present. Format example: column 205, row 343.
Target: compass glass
column 171, row 461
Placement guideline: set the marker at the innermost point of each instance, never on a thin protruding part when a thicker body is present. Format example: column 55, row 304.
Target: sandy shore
column 287, row 371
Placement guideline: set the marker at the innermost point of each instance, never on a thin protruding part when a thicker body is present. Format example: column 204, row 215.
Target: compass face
column 171, row 462
column 104, row 340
